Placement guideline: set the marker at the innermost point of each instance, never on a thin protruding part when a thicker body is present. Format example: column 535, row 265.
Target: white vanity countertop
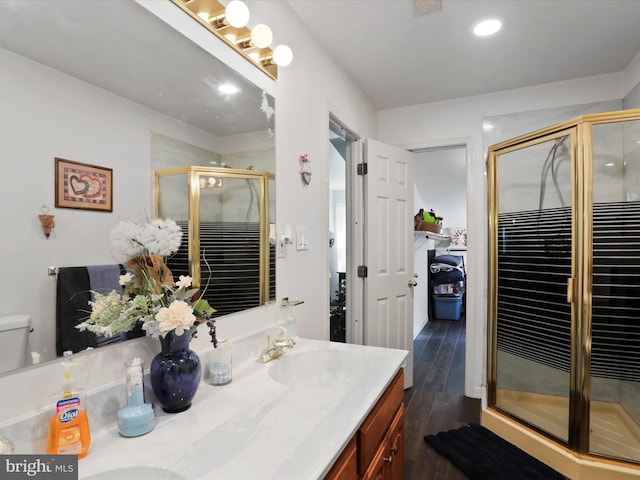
column 268, row 423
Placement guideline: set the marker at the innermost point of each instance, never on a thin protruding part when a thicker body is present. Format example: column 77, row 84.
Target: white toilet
column 14, row 341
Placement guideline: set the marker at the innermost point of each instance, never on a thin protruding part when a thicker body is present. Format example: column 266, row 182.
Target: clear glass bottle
column 220, row 364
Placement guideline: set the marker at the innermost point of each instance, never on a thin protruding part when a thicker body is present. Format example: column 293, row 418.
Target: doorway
column 342, row 143
column 440, row 186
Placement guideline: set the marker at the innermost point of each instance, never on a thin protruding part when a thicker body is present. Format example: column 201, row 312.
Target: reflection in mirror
column 226, row 249
column 94, row 82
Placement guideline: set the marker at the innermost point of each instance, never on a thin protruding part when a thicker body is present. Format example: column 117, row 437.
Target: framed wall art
column 83, row 186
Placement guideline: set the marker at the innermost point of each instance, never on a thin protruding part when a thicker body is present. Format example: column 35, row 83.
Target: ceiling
column 400, row 58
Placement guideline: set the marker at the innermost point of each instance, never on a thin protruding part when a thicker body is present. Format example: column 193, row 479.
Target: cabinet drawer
column 346, row 467
column 375, row 426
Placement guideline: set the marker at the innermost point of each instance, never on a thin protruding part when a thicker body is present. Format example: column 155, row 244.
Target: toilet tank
column 14, row 341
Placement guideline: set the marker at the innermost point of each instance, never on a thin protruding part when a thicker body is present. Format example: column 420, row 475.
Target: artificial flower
column 178, row 316
column 150, row 298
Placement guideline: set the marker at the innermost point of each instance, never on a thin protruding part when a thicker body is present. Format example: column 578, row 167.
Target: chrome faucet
column 276, row 348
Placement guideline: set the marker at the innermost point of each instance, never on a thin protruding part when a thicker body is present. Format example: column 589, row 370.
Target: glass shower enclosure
column 564, row 285
column 228, row 246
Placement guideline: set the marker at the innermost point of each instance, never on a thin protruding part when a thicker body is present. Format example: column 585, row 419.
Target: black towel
column 73, row 293
column 74, row 290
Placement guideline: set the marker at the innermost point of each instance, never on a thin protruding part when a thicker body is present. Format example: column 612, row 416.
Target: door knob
column 412, row 283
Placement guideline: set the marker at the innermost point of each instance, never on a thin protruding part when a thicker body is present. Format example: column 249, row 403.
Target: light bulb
column 282, row 55
column 261, row 35
column 487, row 27
column 227, row 88
column 237, row 14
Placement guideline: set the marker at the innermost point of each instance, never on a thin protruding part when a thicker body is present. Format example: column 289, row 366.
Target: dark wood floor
column 436, row 402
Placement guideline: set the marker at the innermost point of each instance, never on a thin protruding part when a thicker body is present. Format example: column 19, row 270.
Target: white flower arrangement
column 160, row 237
column 151, row 298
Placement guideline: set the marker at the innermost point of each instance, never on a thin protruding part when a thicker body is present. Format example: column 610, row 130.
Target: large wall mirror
column 106, row 83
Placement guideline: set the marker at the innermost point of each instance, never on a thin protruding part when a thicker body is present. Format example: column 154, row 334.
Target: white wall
column 460, row 121
column 422, row 292
column 306, row 91
column 441, row 183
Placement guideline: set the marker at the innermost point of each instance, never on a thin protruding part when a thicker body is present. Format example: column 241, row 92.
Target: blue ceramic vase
column 175, row 373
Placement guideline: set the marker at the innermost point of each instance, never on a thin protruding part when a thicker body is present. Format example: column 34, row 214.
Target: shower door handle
column 570, row 289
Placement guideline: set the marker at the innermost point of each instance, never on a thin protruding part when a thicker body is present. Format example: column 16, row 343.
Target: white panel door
column 388, row 296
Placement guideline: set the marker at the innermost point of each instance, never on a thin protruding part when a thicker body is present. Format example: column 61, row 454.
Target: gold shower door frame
column 193, row 187
column 579, row 284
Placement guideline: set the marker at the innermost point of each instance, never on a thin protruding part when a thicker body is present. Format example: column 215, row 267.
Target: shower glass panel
column 615, row 310
column 226, row 215
column 534, row 242
column 230, row 242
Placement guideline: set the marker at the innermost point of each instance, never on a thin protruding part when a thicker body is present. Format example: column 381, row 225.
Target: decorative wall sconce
column 230, row 25
column 305, row 169
column 46, row 221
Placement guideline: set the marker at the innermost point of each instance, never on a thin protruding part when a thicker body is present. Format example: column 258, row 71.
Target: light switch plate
column 302, row 238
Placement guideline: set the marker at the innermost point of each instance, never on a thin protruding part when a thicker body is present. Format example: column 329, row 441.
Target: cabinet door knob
column 393, row 449
column 388, row 460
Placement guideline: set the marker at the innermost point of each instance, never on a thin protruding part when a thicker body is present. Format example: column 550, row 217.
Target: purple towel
column 104, row 278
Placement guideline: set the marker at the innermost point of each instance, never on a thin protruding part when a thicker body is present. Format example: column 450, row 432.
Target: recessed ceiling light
column 487, row 27
column 228, row 88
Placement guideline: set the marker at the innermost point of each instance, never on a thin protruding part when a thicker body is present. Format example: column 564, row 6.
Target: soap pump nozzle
column 134, row 377
column 67, row 381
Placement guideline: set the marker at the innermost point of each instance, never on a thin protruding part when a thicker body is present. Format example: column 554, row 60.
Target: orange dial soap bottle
column 69, row 427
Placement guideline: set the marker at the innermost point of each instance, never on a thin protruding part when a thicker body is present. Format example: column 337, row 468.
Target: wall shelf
column 431, row 235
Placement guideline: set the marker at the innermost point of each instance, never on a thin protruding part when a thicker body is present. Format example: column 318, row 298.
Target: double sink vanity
column 321, row 410
column 290, row 418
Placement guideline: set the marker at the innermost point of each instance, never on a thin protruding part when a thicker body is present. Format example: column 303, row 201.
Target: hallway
column 436, row 402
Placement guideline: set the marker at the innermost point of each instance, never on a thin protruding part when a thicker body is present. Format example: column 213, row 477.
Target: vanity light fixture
column 282, row 55
column 237, row 14
column 261, row 35
column 230, row 25
column 487, row 27
column 210, row 182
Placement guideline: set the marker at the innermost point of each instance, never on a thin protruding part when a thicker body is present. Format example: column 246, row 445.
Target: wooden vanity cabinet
column 379, row 443
column 346, row 467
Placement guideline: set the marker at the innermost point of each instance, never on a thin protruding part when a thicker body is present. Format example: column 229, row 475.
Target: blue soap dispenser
column 138, row 417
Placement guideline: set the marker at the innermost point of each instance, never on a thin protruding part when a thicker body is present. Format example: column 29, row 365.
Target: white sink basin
column 317, row 368
column 137, row 473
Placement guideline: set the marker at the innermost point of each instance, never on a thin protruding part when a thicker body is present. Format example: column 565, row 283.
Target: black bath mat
column 483, row 455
